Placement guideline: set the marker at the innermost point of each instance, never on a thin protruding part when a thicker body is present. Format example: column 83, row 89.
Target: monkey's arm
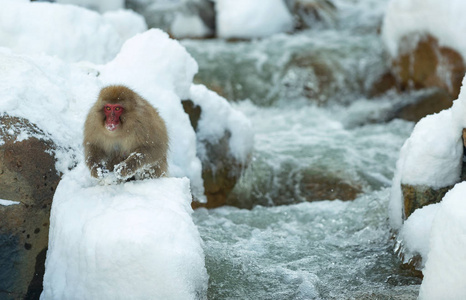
column 143, row 157
column 95, row 160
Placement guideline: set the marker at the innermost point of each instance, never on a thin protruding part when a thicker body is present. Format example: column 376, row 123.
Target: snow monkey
column 125, row 134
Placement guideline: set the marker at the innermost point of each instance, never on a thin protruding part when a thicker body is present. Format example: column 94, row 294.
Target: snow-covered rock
column 130, row 241
column 445, row 270
column 443, row 19
column 189, row 26
column 251, row 19
column 66, row 31
column 413, row 239
column 181, row 19
column 424, row 40
column 154, row 65
column 431, row 156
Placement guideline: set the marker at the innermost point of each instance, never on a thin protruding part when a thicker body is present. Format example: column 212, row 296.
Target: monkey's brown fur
column 137, row 148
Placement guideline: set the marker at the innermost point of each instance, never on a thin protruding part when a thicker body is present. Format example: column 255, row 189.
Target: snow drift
column 444, row 19
column 66, row 31
column 251, row 19
column 432, row 156
column 445, row 269
column 130, row 241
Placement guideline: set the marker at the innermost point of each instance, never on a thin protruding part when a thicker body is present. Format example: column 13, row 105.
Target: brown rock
column 326, row 187
column 308, row 14
column 428, row 103
column 27, row 175
column 288, row 186
column 428, row 64
column 383, row 84
column 418, row 196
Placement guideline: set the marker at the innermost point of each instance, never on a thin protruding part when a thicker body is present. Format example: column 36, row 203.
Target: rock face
column 28, row 175
column 418, row 196
column 220, row 171
column 430, row 101
column 423, row 63
column 312, row 13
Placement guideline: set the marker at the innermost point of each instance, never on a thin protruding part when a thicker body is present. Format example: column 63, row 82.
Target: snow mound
column 416, row 230
column 190, row 26
column 445, row 269
column 444, row 19
column 432, row 154
column 251, row 19
column 130, row 241
column 83, row 35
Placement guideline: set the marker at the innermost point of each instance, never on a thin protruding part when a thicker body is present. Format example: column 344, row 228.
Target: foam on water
column 319, row 250
column 296, row 145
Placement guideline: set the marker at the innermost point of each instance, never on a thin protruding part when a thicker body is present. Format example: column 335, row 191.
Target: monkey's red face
column 112, row 116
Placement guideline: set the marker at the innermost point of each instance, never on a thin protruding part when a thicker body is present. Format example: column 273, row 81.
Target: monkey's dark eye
column 108, row 108
column 117, row 108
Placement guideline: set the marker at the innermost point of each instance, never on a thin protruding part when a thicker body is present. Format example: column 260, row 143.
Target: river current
column 308, row 98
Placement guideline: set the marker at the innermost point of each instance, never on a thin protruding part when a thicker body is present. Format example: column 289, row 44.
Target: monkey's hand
column 99, row 171
column 127, row 168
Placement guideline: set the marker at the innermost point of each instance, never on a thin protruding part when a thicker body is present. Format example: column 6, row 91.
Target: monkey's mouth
column 112, row 126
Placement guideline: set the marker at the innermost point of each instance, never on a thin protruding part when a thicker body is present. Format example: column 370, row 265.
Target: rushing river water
column 307, row 97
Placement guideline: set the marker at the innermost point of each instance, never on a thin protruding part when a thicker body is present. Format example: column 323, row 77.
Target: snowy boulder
column 136, row 240
column 424, row 40
column 430, row 164
column 430, row 160
column 66, row 31
column 445, row 269
column 28, row 181
column 252, row 19
column 181, row 19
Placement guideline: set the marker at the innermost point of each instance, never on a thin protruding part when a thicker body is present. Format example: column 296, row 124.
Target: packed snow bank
column 66, row 31
column 415, row 233
column 431, row 156
column 444, row 19
column 191, row 26
column 251, row 19
column 445, row 271
column 130, row 241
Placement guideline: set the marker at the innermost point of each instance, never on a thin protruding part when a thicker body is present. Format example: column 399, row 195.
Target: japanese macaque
column 123, row 133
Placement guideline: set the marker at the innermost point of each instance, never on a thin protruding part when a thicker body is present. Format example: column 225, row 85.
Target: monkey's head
column 115, row 102
column 112, row 115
